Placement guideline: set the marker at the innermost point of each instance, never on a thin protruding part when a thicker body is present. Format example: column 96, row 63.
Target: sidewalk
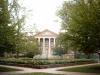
column 48, row 70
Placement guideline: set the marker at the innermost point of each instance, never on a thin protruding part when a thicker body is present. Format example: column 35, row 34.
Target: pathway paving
column 48, row 70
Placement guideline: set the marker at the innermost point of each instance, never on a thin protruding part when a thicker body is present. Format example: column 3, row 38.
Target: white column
column 43, row 46
column 54, row 42
column 39, row 41
column 39, row 44
column 49, row 52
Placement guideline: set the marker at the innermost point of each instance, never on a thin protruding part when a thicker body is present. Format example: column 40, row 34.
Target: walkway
column 49, row 70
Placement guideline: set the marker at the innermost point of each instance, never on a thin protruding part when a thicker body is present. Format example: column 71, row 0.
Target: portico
column 46, row 41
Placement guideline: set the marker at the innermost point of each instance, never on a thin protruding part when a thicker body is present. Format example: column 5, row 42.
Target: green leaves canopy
column 81, row 20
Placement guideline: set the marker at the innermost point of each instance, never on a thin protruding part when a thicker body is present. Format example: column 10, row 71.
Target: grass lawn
column 85, row 69
column 5, row 69
column 39, row 73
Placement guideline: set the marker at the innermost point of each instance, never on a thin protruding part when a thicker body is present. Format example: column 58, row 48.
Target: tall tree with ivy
column 81, row 20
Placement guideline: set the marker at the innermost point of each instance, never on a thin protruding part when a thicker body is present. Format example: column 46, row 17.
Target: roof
column 46, row 33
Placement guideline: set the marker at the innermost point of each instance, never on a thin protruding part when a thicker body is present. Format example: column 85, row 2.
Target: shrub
column 40, row 62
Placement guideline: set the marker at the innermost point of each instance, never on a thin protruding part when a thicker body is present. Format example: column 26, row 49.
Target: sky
column 42, row 15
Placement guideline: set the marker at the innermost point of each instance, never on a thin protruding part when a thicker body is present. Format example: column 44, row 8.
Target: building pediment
column 46, row 33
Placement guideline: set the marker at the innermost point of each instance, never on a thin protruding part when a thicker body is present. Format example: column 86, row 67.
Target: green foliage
column 59, row 51
column 62, row 42
column 81, row 21
column 18, row 22
column 27, row 61
column 7, row 30
column 61, row 45
column 11, row 22
column 31, row 47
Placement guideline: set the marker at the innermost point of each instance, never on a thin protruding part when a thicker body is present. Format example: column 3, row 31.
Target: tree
column 61, row 45
column 31, row 47
column 62, row 42
column 59, row 51
column 10, row 25
column 81, row 20
column 17, row 20
column 7, row 31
